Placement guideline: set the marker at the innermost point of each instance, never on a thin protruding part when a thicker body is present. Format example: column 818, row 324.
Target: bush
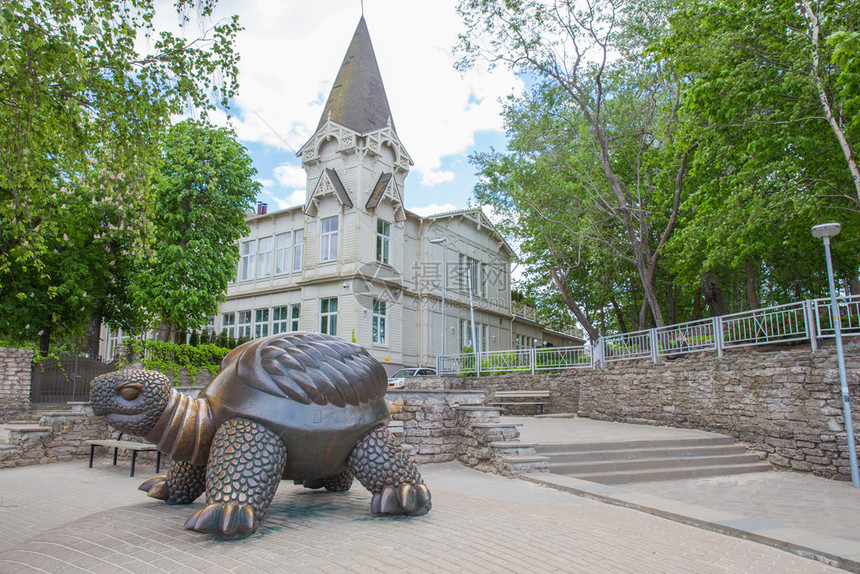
column 162, row 356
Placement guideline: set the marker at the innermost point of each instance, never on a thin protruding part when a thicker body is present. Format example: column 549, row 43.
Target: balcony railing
column 809, row 320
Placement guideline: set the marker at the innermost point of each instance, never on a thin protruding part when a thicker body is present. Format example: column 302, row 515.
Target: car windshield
column 402, row 373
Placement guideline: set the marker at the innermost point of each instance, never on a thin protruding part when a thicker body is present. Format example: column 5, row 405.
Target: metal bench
column 134, row 447
column 518, row 398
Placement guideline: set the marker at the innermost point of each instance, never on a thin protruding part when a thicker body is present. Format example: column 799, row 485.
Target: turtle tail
column 185, row 429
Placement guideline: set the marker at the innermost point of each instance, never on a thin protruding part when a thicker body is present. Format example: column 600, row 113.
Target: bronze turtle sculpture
column 302, row 406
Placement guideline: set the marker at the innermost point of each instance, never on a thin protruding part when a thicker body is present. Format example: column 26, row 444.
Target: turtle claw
column 156, row 487
column 229, row 520
column 405, row 499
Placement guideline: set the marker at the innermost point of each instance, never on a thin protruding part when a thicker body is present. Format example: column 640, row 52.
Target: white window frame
column 378, row 327
column 295, row 316
column 264, row 256
column 298, row 248
column 328, row 238
column 280, row 319
column 243, row 324
column 228, row 324
column 328, row 316
column 247, row 252
column 383, row 241
column 261, row 323
column 283, row 245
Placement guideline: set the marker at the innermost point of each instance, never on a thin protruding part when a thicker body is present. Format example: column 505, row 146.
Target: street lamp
column 825, row 231
column 443, row 242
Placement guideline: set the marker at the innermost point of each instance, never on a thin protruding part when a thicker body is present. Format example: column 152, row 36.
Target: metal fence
column 810, row 320
column 65, row 380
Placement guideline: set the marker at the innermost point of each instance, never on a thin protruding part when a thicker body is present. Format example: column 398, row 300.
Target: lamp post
column 443, row 242
column 825, row 231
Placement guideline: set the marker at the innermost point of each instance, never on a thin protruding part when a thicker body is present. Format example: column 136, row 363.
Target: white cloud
column 431, row 178
column 290, row 175
column 291, row 52
column 433, row 209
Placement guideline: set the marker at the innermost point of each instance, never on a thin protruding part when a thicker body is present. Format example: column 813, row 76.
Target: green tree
column 201, row 202
column 81, row 115
column 775, row 115
column 603, row 118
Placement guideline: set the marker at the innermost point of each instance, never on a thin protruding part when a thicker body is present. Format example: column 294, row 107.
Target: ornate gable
column 386, row 188
column 329, row 184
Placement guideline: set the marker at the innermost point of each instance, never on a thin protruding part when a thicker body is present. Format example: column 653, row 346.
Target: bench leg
column 92, row 451
column 114, row 455
column 133, row 460
column 157, row 461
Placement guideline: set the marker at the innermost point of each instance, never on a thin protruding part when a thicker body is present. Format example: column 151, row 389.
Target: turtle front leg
column 182, row 485
column 382, row 467
column 246, row 462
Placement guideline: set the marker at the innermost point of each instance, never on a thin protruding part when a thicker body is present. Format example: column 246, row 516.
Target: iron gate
column 65, row 380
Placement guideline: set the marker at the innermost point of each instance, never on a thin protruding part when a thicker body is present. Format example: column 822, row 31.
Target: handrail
column 805, row 320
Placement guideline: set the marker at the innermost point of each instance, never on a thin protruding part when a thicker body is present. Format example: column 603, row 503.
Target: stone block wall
column 15, row 374
column 61, row 439
column 564, row 397
column 784, row 402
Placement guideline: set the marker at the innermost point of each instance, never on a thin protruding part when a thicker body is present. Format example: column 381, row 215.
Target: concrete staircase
column 650, row 460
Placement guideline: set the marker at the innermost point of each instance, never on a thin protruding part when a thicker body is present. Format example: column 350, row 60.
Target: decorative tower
column 355, row 154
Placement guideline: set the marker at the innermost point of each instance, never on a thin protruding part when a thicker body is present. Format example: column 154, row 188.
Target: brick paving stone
column 70, row 519
column 792, row 499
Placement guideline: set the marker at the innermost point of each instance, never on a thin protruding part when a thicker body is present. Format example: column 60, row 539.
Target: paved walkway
column 798, row 512
column 68, row 518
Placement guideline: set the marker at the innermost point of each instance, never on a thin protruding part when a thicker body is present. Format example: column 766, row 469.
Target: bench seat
column 519, row 398
column 134, row 447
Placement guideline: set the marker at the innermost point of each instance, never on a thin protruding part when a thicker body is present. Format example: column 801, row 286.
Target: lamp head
column 439, row 241
column 826, row 230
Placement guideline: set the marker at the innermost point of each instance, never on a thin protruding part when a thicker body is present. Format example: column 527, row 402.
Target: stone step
column 673, row 474
column 560, row 448
column 521, row 459
column 54, row 415
column 639, row 453
column 581, row 469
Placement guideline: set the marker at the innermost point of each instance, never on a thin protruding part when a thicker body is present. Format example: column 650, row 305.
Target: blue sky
column 290, row 54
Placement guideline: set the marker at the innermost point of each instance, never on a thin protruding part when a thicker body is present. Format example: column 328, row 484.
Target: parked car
column 398, row 379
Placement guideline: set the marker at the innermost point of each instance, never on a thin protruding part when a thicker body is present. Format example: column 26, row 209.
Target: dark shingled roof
column 357, row 99
column 339, row 189
column 378, row 190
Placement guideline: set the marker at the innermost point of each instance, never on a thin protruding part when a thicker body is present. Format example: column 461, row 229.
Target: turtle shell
column 319, row 393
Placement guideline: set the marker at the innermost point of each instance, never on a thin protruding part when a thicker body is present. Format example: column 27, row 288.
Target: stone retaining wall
column 564, row 397
column 15, row 373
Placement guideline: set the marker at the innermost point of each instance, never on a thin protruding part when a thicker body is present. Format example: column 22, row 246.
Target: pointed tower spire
column 357, row 99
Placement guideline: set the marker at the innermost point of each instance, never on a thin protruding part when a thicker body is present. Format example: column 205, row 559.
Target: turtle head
column 131, row 401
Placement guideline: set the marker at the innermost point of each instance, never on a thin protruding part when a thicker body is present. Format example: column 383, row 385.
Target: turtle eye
column 130, row 392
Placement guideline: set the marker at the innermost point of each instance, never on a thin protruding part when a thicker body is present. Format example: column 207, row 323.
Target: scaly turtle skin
column 302, row 406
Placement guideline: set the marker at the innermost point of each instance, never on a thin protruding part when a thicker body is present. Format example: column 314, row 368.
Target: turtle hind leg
column 384, row 469
column 246, row 463
column 340, row 482
column 184, row 483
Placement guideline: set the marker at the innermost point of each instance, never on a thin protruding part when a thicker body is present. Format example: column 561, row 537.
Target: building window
column 379, row 312
column 466, row 334
column 295, row 311
column 328, row 316
column 383, row 240
column 483, row 280
column 246, row 259
column 280, row 320
column 264, row 257
column 282, row 253
column 228, row 325
column 298, row 244
column 261, row 323
column 469, row 269
column 114, row 341
column 483, row 339
column 244, row 325
column 328, row 238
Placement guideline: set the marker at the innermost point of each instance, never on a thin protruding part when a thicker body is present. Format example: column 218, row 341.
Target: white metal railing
column 810, row 320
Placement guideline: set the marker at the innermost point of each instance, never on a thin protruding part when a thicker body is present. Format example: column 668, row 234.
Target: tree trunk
column 619, row 315
column 573, row 306
column 45, row 340
column 752, row 295
column 697, row 305
column 94, row 333
column 854, row 286
column 714, row 294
